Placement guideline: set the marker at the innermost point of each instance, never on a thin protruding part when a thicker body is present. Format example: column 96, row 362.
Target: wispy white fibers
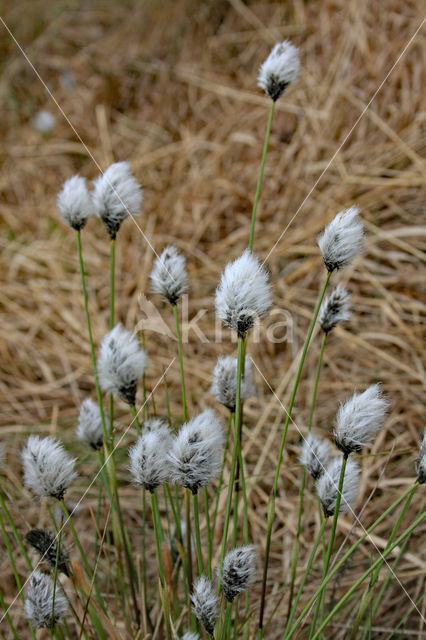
column 39, row 601
column 243, row 294
column 196, row 454
column 239, row 568
column 89, row 427
column 48, row 468
column 328, row 486
column 359, row 419
column 74, row 202
column 190, row 635
column 342, row 239
column 121, row 363
column 116, row 195
column 149, row 464
column 205, row 603
column 421, row 462
column 224, row 381
column 334, row 309
column 168, row 275
column 279, row 69
column 315, row 454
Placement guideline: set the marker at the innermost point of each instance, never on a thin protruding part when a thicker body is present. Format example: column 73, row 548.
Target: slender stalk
column 331, row 540
column 158, row 535
column 219, row 488
column 296, row 542
column 111, row 324
column 209, row 533
column 55, row 569
column 346, row 555
column 227, row 621
column 180, row 354
column 235, row 455
column 197, row 534
column 188, row 538
column 306, row 573
column 271, row 510
column 7, row 616
column 260, row 177
column 136, row 418
column 365, row 575
column 15, row 532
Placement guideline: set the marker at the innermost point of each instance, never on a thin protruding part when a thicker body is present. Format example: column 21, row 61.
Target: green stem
column 136, row 418
column 111, row 324
column 180, row 354
column 331, row 541
column 306, row 573
column 158, row 535
column 260, row 177
column 197, row 534
column 55, row 570
column 188, row 539
column 271, row 513
column 15, row 532
column 345, row 556
column 209, row 533
column 8, row 618
column 296, row 542
column 235, row 455
column 365, row 575
column 219, row 489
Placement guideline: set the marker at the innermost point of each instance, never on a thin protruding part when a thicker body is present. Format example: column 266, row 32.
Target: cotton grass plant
column 209, row 573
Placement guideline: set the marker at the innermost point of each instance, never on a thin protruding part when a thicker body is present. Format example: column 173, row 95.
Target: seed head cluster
column 75, row 203
column 48, row 468
column 116, row 195
column 334, row 309
column 205, row 603
column 46, row 544
column 243, row 294
column 39, row 601
column 328, row 486
column 89, row 427
column 195, row 458
column 359, row 419
column 239, row 568
column 121, row 363
column 342, row 239
column 224, row 381
column 148, row 456
column 279, row 69
column 168, row 275
column 315, row 454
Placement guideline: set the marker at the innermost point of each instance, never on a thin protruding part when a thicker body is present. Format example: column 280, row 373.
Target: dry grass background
column 171, row 87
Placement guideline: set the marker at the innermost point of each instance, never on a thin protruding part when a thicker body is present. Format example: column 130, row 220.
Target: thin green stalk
column 345, row 556
column 197, row 534
column 414, row 605
column 296, row 542
column 365, row 575
column 306, row 573
column 219, row 488
column 365, row 602
column 271, row 510
column 15, row 532
column 7, row 616
column 260, row 177
column 180, row 354
column 136, row 418
column 158, row 532
column 188, row 539
column 235, row 455
column 227, row 621
column 209, row 533
column 111, row 326
column 331, row 540
column 55, row 569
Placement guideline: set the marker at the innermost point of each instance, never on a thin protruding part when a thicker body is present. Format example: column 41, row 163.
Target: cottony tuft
column 89, row 427
column 315, row 454
column 342, row 239
column 239, row 568
column 48, row 468
column 224, row 381
column 280, row 68
column 149, row 455
column 334, row 309
column 74, row 202
column 328, row 485
column 39, row 601
column 205, row 603
column 168, row 275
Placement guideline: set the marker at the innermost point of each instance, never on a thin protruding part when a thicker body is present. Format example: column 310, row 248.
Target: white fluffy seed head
column 239, row 568
column 243, row 294
column 74, row 202
column 205, row 603
column 342, row 239
column 315, row 454
column 196, row 454
column 334, row 309
column 190, row 635
column 280, row 68
column 121, row 363
column 359, row 419
column 116, row 195
column 224, row 381
column 149, row 455
column 328, row 486
column 89, row 427
column 39, row 600
column 168, row 275
column 421, row 462
column 48, row 468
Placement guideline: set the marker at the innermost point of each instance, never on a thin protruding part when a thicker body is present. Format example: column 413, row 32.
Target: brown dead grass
column 171, row 87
